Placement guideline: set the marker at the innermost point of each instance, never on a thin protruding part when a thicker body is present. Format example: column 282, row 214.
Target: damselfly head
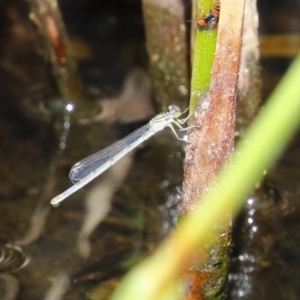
column 174, row 110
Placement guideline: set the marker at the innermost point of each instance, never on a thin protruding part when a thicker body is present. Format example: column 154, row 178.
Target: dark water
column 34, row 166
column 266, row 236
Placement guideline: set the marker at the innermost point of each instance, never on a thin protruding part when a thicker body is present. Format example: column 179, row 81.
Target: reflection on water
column 9, row 287
column 97, row 210
column 133, row 227
column 67, row 261
column 266, row 240
column 12, row 258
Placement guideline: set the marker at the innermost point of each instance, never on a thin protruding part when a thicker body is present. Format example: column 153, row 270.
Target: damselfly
column 89, row 168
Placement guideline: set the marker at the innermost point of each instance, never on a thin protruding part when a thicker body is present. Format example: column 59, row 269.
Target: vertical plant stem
column 212, row 143
column 165, row 27
column 204, row 51
column 47, row 16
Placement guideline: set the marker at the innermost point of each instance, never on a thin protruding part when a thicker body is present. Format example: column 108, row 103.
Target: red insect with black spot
column 211, row 20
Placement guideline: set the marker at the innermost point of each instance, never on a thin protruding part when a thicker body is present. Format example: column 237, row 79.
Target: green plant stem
column 205, row 46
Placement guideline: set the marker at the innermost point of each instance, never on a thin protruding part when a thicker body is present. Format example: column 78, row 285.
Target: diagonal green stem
column 263, row 142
